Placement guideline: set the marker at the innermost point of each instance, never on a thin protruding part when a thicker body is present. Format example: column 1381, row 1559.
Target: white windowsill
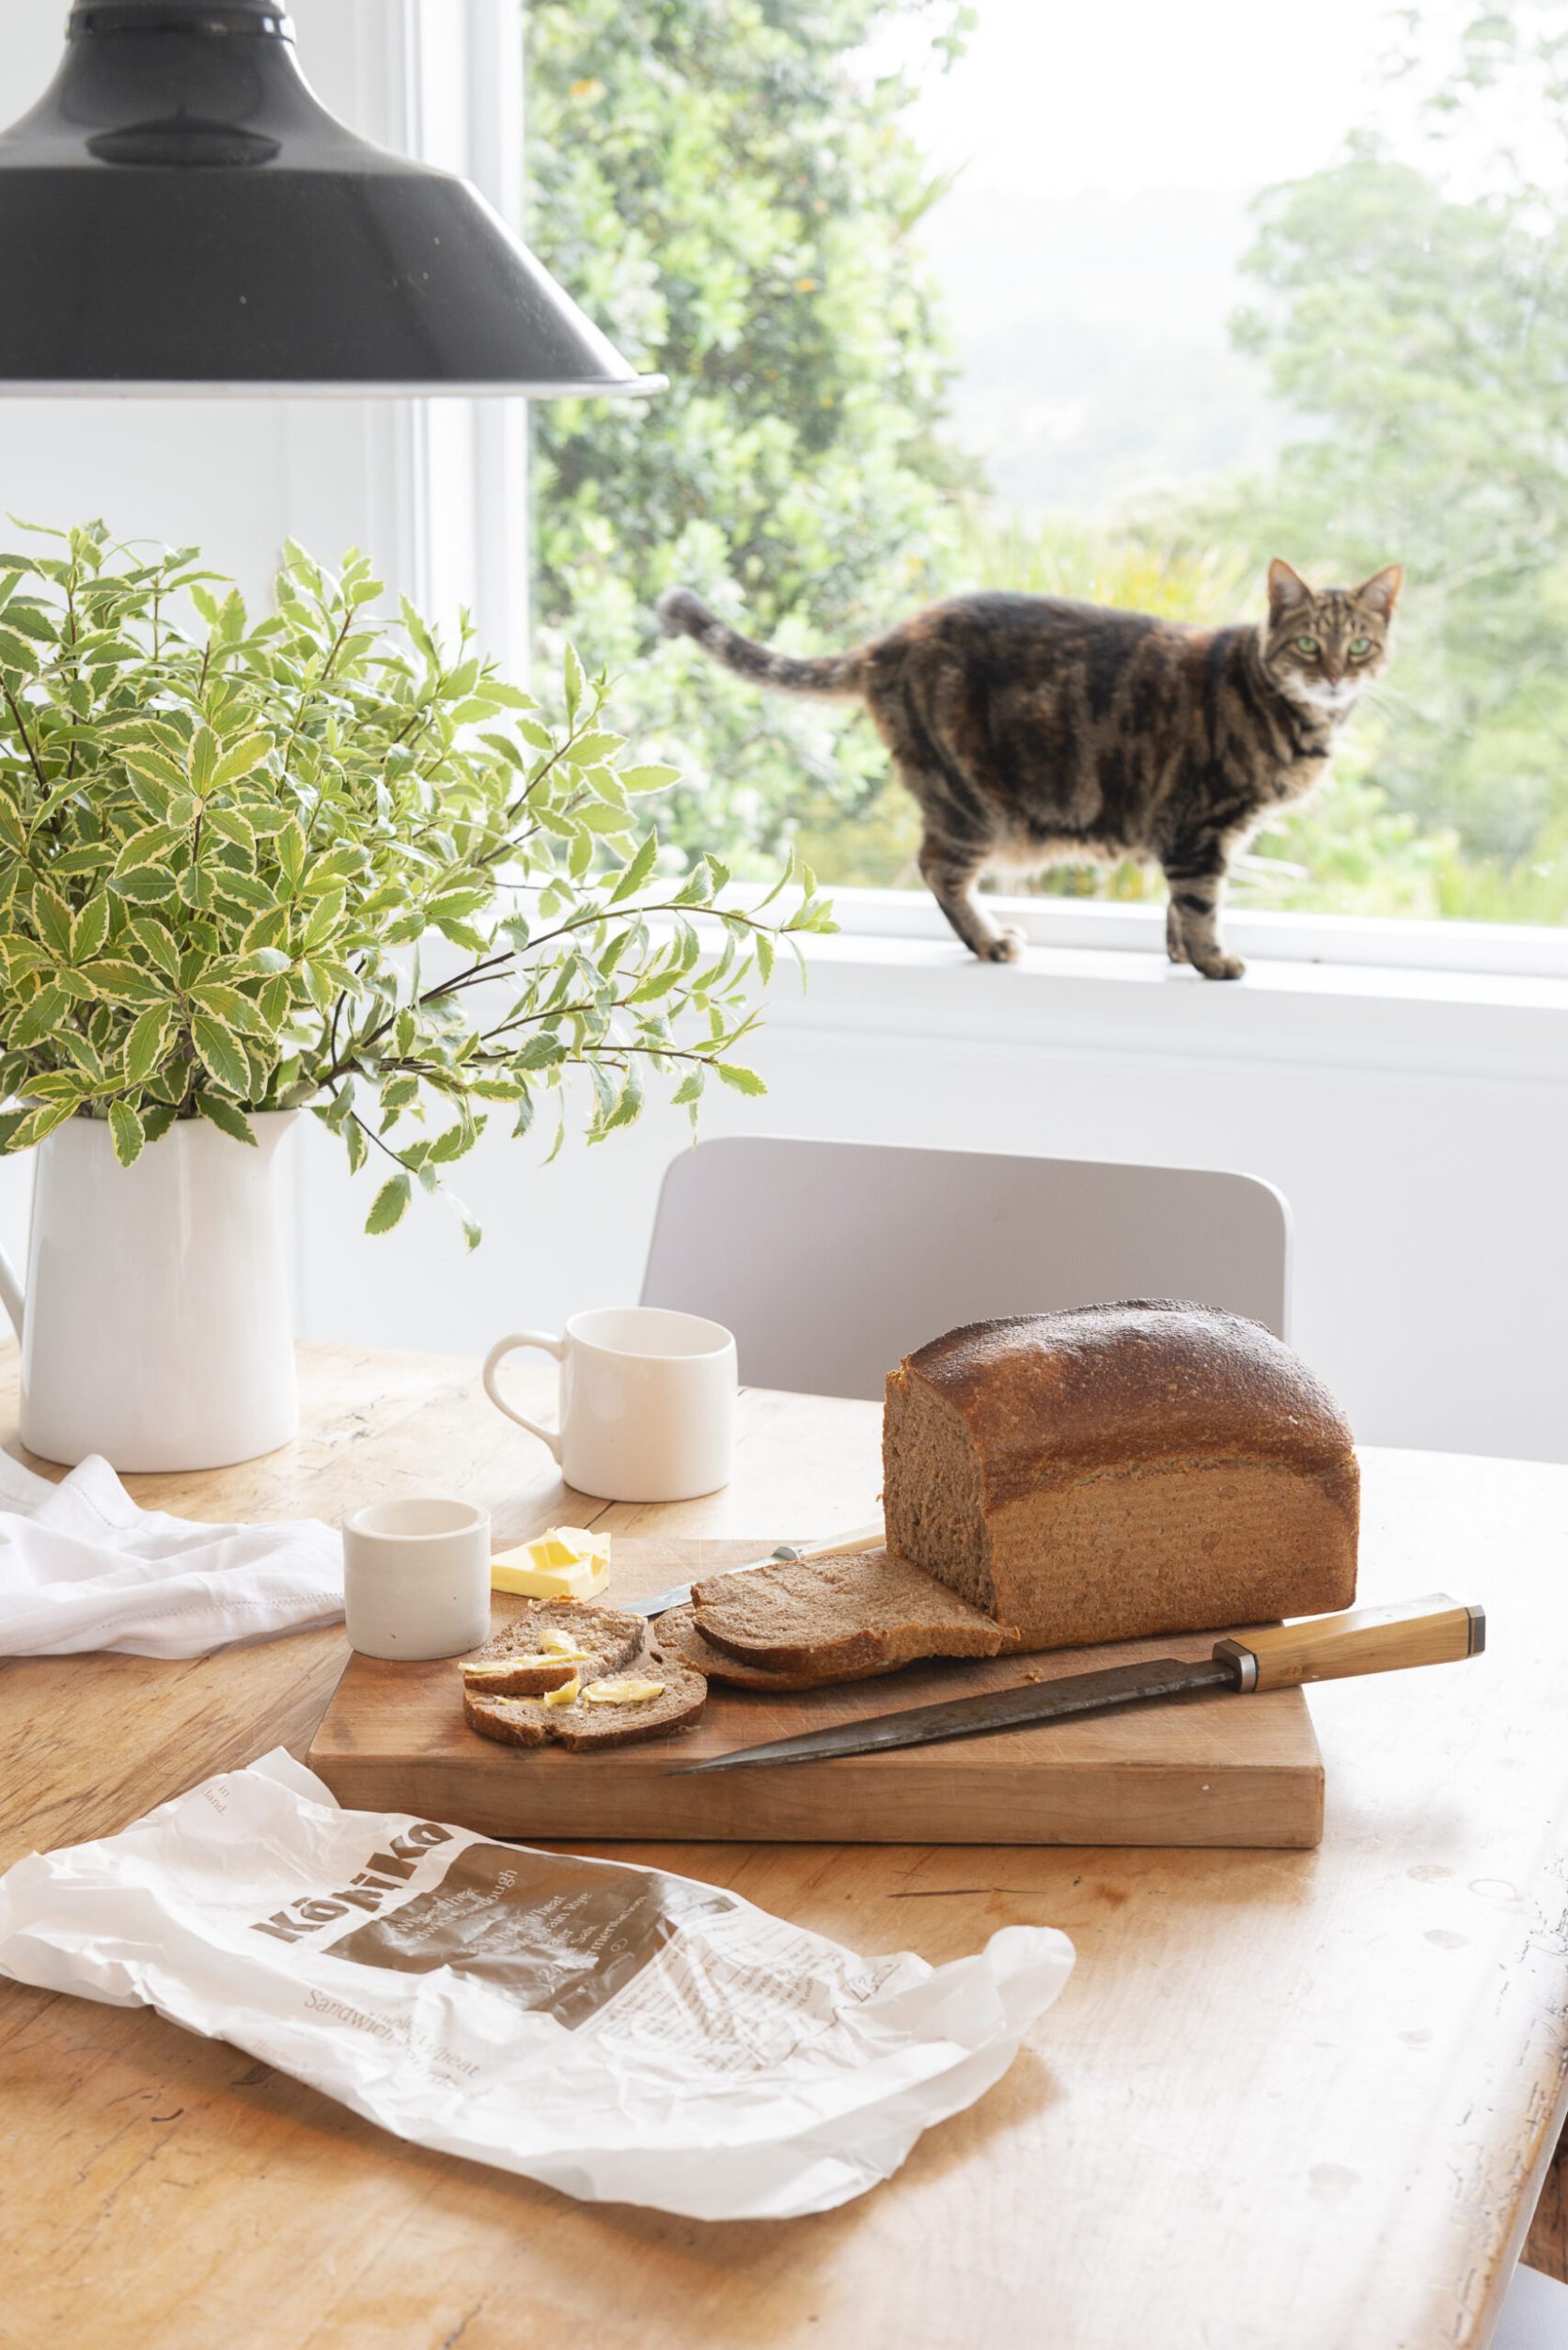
column 1364, row 941
column 1128, row 999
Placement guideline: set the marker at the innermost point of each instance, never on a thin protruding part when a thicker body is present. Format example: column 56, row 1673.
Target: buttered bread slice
column 549, row 1643
column 648, row 1697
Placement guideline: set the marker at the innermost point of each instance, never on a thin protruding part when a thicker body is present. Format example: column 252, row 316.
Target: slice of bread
column 581, row 1723
column 832, row 1618
column 678, row 1635
column 526, row 1657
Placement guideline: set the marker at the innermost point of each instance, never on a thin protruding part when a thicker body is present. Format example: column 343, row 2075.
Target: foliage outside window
column 722, row 188
column 740, row 202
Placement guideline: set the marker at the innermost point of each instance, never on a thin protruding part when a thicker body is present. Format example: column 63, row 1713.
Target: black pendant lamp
column 180, row 213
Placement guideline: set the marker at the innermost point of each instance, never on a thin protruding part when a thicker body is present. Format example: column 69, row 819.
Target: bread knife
column 1433, row 1631
column 662, row 1601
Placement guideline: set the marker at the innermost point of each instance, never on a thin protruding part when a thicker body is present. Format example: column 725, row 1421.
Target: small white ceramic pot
column 416, row 1577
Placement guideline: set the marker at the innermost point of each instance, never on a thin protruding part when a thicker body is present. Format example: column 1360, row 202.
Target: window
column 1114, row 303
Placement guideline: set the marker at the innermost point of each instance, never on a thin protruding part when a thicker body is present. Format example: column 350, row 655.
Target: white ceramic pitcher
column 157, row 1327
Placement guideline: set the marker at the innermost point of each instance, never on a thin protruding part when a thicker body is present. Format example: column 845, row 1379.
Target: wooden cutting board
column 1205, row 1770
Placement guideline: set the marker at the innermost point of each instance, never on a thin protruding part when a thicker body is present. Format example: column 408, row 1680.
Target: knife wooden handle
column 861, row 1538
column 1432, row 1631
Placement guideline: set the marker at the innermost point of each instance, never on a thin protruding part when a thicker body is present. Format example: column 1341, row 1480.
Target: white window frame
column 446, row 480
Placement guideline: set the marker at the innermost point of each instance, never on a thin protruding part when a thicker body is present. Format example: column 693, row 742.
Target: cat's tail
column 681, row 613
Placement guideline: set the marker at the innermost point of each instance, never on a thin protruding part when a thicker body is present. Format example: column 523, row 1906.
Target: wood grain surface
column 1302, row 2100
column 1216, row 1769
column 1547, row 2246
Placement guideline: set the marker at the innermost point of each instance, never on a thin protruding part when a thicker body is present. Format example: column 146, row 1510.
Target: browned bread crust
column 679, row 1634
column 839, row 1618
column 515, row 1664
column 1049, row 1396
column 1110, row 1471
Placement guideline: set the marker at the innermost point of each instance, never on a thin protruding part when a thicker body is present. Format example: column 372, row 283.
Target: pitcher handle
column 12, row 1295
column 493, row 1361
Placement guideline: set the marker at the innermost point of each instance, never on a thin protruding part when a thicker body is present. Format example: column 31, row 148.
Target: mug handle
column 493, row 1362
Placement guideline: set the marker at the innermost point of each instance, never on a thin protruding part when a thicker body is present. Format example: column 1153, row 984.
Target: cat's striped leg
column 950, row 871
column 1192, row 917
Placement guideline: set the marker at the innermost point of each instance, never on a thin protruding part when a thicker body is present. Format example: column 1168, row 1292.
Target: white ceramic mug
column 647, row 1403
column 416, row 1577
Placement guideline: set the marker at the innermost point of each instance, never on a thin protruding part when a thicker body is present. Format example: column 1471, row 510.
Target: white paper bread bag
column 617, row 2032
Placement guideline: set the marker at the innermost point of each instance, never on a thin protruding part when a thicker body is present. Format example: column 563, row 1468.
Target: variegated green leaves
column 265, row 864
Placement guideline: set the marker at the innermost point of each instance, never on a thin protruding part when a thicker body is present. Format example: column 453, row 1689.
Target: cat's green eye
column 1308, row 644
column 1360, row 648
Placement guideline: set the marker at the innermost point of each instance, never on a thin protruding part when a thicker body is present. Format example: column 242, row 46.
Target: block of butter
column 566, row 1563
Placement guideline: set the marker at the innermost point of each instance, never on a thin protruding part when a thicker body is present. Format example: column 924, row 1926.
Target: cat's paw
column 1006, row 947
column 1222, row 967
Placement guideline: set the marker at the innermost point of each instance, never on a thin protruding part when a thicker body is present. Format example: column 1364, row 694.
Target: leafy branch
column 231, row 846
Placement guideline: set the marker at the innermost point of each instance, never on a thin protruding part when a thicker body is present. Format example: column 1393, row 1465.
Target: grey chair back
column 831, row 1261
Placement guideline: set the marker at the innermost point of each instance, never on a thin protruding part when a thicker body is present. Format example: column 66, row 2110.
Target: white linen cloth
column 82, row 1567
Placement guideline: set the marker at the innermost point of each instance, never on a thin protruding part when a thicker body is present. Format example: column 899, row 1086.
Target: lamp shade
column 180, row 213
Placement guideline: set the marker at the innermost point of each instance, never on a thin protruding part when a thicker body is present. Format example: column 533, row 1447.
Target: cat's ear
column 1381, row 592
column 1286, row 589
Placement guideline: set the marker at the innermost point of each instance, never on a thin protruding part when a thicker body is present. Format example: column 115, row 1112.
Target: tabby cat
column 1033, row 731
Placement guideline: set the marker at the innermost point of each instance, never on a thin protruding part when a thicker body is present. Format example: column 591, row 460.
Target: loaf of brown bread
column 1113, row 1470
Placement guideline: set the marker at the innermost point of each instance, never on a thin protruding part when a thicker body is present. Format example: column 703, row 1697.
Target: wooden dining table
column 1290, row 2100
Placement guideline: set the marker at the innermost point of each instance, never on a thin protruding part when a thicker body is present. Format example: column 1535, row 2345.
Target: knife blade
column 995, row 1709
column 679, row 1596
column 1432, row 1631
